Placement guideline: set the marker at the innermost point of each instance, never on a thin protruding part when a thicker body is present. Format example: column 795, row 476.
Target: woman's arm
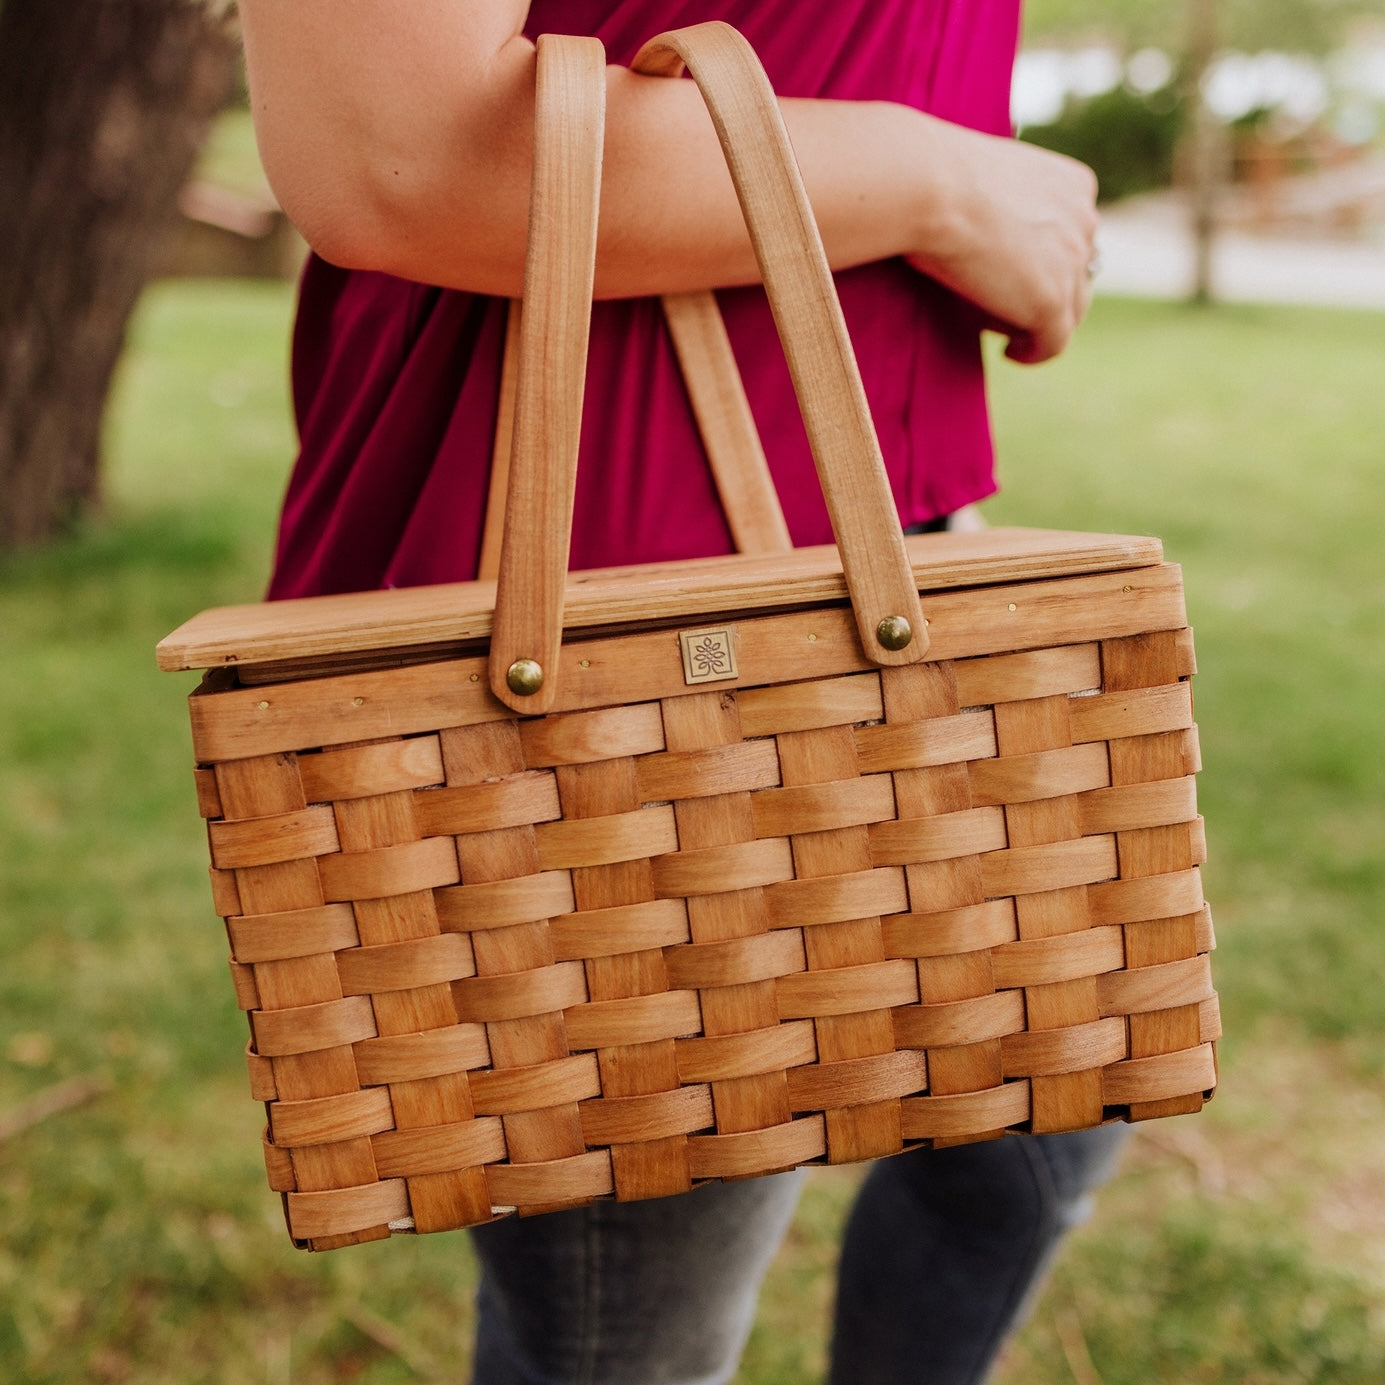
column 399, row 137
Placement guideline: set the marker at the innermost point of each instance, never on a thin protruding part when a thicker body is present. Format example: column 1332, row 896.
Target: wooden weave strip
column 439, row 1149
column 656, row 1116
column 412, row 1057
column 363, row 771
column 328, row 1119
column 836, row 898
column 745, row 1154
column 752, row 1053
column 960, row 1022
column 294, row 933
column 320, row 1217
column 508, row 1090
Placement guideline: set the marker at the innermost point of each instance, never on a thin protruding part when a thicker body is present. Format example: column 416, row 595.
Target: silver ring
column 1094, row 265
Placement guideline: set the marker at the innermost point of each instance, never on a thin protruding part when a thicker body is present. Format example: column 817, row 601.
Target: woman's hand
column 1017, row 237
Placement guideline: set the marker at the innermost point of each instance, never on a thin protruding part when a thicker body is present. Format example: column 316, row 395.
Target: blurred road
column 1147, row 251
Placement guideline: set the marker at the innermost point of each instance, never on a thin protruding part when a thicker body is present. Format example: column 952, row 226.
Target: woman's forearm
column 400, row 138
column 407, row 171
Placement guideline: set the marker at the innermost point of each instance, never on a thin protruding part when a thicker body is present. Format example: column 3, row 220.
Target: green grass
column 1249, row 439
column 1243, row 1245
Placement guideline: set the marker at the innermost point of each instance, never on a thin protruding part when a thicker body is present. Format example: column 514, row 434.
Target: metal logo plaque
column 709, row 654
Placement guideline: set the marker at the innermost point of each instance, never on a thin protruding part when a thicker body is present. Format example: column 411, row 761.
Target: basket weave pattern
column 496, row 963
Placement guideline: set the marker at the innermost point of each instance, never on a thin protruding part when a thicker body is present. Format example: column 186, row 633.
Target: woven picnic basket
column 554, row 888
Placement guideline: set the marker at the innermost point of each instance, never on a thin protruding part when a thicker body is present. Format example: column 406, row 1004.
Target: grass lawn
column 1243, row 1245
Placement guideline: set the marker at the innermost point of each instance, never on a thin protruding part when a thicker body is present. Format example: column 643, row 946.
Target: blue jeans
column 942, row 1254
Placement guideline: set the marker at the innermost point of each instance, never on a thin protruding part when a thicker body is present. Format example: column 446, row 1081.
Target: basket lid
column 460, row 613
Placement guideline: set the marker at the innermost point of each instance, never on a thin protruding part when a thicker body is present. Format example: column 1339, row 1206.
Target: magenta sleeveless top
column 395, row 383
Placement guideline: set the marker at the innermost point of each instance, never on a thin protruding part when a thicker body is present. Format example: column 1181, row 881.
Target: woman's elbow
column 334, row 209
column 387, row 219
column 342, row 236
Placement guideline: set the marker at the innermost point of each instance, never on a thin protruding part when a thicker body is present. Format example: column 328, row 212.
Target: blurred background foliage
column 1251, row 25
column 1128, row 137
column 1294, row 83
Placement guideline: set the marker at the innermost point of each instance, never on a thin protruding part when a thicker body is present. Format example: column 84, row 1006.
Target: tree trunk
column 1206, row 161
column 103, row 106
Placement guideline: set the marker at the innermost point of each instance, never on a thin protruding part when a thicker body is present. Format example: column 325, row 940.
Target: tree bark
column 103, row 107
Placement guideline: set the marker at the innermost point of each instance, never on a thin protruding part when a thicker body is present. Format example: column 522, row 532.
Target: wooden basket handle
column 559, row 269
column 798, row 281
column 803, row 297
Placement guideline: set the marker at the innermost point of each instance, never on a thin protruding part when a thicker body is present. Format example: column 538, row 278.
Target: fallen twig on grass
column 387, row 1336
column 1192, row 1148
column 1067, row 1321
column 51, row 1101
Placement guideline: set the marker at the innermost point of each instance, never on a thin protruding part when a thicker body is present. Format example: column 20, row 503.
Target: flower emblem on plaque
column 709, row 654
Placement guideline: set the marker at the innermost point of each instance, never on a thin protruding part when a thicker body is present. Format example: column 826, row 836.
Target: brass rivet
column 1126, row 588
column 812, row 639
column 525, row 677
column 475, row 677
column 894, row 632
column 1013, row 607
column 586, row 663
column 358, row 702
column 264, row 706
